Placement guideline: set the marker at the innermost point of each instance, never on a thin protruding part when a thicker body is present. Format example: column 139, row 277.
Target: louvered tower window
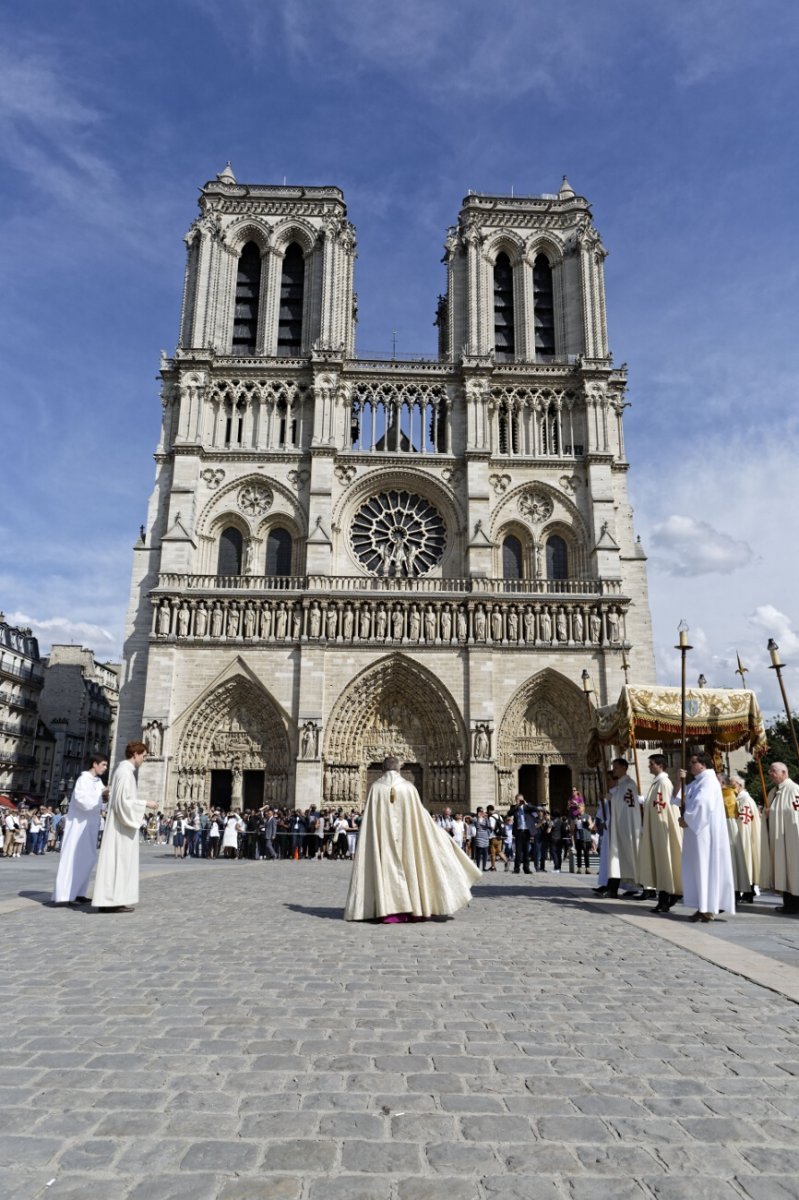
column 544, row 308
column 557, row 558
column 278, row 552
column 511, row 558
column 292, row 287
column 504, row 341
column 230, row 552
column 248, row 294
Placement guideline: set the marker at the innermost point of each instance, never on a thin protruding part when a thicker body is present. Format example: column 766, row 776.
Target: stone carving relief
column 254, row 499
column 500, row 483
column 345, row 474
column 213, row 477
column 298, row 478
column 309, row 740
column 481, row 739
column 536, row 505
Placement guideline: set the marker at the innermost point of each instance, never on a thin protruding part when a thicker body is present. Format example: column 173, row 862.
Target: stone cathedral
column 344, row 556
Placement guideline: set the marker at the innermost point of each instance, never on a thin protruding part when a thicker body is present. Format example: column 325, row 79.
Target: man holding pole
column 782, row 845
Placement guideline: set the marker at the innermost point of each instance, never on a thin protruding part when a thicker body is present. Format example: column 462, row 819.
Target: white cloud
column 63, row 630
column 687, row 546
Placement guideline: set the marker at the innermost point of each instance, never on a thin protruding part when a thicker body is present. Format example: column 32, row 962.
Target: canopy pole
column 683, row 648
column 635, row 760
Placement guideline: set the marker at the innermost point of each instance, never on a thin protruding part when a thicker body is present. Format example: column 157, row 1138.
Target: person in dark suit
column 523, row 827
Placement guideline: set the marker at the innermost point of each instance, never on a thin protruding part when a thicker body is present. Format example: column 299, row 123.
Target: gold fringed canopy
column 722, row 718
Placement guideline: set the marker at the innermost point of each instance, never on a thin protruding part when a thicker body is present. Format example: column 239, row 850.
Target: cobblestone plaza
column 235, row 1038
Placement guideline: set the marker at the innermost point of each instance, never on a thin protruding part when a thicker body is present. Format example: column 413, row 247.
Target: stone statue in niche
column 233, row 622
column 153, row 739
column 183, row 620
column 308, row 741
column 200, row 620
column 513, row 626
column 579, row 626
column 613, row 626
column 281, row 622
column 348, row 624
column 249, row 622
column 314, row 621
column 365, row 623
column 496, row 624
column 381, row 623
column 164, row 618
column 414, row 625
column 545, row 625
column 482, row 742
column 560, row 626
column 216, row 622
column 595, row 627
column 331, row 622
column 430, row 624
column 446, row 624
column 480, row 624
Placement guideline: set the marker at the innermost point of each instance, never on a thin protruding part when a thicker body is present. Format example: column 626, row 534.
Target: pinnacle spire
column 227, row 175
column 566, row 190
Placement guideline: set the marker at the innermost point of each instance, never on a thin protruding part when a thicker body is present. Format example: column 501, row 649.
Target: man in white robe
column 707, row 882
column 81, row 830
column 782, row 847
column 116, row 886
column 406, row 867
column 624, row 832
column 750, row 827
column 660, row 851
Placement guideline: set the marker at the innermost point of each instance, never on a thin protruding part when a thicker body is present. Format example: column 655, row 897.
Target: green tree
column 780, row 749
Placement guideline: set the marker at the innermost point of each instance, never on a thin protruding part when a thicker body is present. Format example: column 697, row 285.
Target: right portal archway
column 542, row 742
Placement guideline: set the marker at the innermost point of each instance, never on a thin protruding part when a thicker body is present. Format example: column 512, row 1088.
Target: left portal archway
column 236, row 728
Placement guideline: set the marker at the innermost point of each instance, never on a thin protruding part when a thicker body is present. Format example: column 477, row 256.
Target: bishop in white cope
column 707, row 882
column 782, row 848
column 116, row 886
column 406, row 867
column 81, row 828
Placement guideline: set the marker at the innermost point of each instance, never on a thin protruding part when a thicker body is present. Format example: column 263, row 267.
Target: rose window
column 398, row 534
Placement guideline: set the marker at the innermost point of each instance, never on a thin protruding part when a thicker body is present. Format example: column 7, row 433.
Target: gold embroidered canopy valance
column 648, row 717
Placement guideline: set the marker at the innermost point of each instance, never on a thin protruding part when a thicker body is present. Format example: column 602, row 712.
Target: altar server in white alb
column 406, row 866
column 707, row 882
column 116, row 886
column 782, row 847
column 81, row 829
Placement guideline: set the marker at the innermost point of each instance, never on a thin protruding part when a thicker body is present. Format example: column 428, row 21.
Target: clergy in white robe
column 406, row 866
column 660, row 851
column 81, row 828
column 707, row 882
column 740, row 877
column 750, row 828
column 624, row 832
column 116, row 885
column 782, row 817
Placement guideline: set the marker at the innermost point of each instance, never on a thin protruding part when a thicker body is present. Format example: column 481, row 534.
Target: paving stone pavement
column 235, row 1039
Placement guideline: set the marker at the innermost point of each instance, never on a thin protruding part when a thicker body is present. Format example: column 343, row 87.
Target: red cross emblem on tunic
column 629, row 798
column 659, row 802
column 795, row 803
column 745, row 816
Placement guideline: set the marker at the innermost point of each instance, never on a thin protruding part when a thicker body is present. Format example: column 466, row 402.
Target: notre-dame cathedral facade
column 347, row 556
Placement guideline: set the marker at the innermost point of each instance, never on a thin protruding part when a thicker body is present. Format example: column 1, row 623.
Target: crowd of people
column 710, row 845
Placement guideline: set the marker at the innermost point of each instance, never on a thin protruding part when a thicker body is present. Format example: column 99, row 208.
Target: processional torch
column 683, row 647
column 777, row 666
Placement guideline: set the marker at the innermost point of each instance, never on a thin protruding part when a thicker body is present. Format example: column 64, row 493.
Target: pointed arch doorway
column 542, row 741
column 396, row 707
column 234, row 749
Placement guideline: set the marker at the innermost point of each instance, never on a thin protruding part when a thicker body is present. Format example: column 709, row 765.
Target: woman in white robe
column 81, row 830
column 406, row 867
column 707, row 882
column 116, row 886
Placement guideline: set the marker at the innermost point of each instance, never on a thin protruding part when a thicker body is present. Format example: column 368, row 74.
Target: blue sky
column 676, row 119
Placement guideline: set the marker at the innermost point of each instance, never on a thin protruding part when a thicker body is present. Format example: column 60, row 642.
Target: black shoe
column 600, row 891
column 516, row 871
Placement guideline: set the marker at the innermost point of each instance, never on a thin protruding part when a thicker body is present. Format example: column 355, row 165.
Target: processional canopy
column 650, row 717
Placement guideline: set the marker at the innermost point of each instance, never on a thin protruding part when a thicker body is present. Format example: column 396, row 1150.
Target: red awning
column 5, row 802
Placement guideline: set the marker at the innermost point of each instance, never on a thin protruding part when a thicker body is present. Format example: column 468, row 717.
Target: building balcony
column 13, row 670
column 18, row 701
column 357, row 585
